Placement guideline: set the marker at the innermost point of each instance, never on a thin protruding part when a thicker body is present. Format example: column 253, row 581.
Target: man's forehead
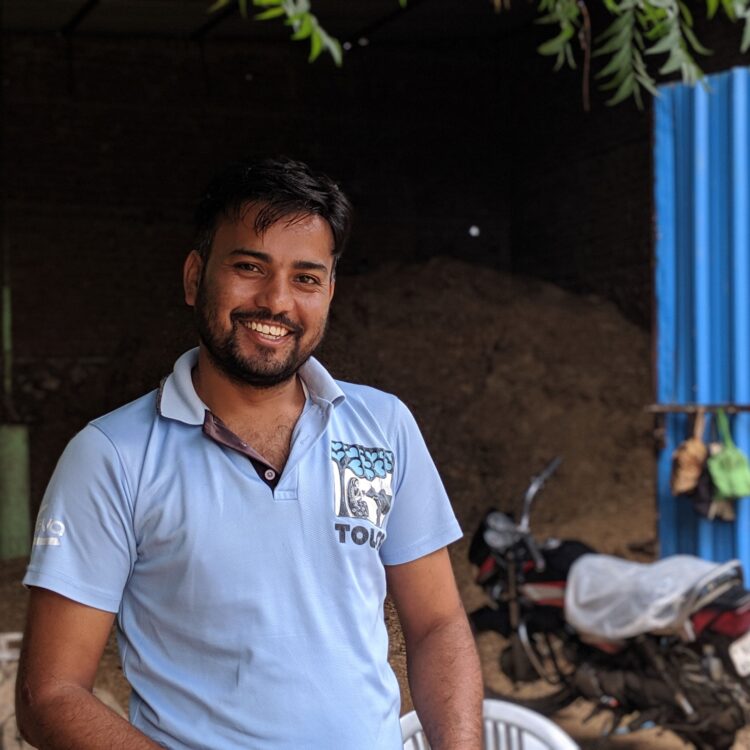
column 308, row 233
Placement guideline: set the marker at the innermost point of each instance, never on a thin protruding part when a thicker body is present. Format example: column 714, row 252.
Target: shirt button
column 270, row 474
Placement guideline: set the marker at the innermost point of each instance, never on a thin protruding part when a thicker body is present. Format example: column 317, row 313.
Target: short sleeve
column 84, row 546
column 421, row 519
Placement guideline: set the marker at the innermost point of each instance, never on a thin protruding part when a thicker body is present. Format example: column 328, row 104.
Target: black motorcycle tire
column 545, row 698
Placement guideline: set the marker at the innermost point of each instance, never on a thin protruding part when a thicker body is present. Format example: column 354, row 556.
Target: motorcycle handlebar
column 540, row 563
column 536, row 484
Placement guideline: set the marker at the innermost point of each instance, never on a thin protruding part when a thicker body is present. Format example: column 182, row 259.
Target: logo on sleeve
column 48, row 531
column 363, row 490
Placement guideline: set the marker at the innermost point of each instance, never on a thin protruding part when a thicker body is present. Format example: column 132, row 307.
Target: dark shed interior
column 442, row 119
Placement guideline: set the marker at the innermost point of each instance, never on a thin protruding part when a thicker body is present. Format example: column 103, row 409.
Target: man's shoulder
column 132, row 420
column 118, row 437
column 382, row 406
column 366, row 394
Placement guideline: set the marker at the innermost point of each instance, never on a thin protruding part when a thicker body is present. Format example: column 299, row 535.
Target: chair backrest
column 411, row 732
column 506, row 727
column 10, row 647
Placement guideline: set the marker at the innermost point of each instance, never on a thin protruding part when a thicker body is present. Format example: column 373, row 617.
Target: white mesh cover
column 611, row 598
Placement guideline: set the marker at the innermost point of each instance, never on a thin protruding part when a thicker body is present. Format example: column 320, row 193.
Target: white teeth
column 267, row 330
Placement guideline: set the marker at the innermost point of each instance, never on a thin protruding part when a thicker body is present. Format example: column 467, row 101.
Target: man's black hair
column 282, row 187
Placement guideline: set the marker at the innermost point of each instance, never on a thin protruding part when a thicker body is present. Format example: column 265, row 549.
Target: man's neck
column 231, row 401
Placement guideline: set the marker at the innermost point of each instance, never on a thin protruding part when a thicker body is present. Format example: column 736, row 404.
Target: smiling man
column 241, row 523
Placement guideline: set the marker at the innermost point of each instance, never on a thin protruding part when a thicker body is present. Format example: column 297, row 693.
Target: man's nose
column 275, row 294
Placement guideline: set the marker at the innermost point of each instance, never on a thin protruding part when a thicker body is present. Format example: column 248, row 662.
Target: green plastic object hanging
column 14, row 438
column 729, row 468
column 14, row 491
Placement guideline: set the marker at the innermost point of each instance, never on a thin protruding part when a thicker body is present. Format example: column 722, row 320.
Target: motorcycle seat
column 612, row 599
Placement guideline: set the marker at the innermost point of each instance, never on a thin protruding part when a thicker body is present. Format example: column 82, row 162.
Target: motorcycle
column 664, row 643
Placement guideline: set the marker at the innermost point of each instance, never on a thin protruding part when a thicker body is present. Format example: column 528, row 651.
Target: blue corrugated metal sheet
column 702, row 159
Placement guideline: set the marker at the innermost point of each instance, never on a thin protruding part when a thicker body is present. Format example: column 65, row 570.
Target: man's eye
column 307, row 279
column 246, row 266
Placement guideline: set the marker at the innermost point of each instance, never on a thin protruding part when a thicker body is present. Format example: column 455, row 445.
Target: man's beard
column 261, row 370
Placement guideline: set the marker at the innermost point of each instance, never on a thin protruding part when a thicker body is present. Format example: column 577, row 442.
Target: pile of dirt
column 502, row 374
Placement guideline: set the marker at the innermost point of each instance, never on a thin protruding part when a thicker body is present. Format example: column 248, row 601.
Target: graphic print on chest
column 364, row 487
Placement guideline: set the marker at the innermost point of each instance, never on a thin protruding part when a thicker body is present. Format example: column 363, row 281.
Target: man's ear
column 191, row 276
column 332, row 282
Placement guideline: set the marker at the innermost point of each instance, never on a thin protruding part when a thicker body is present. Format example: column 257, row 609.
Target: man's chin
column 246, row 373
column 267, row 379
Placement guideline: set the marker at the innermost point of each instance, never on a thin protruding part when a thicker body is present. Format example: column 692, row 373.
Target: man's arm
column 444, row 673
column 55, row 708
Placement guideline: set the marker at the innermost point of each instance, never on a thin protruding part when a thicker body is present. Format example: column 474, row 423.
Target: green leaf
column 622, row 58
column 728, row 6
column 316, row 45
column 305, row 28
column 615, row 27
column 673, row 64
column 402, row 3
column 658, row 31
column 243, row 7
column 691, row 74
column 616, row 79
column 270, row 13
column 637, row 96
column 666, row 44
column 625, row 90
column 713, row 7
column 555, row 46
column 218, row 5
column 613, row 45
column 648, row 83
column 654, row 15
column 745, row 46
column 569, row 57
column 686, row 14
column 694, row 43
column 619, row 60
column 334, row 48
column 550, row 18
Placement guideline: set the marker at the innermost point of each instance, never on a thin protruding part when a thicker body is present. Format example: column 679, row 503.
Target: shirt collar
column 178, row 400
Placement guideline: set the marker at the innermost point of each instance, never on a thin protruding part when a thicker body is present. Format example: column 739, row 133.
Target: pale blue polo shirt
column 247, row 616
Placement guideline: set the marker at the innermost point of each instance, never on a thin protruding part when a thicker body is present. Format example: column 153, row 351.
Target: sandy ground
column 502, row 373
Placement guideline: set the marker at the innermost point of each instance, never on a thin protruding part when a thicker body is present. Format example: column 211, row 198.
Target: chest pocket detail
column 364, row 486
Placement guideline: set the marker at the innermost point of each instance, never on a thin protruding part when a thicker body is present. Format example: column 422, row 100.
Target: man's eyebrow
column 265, row 257
column 300, row 265
column 308, row 265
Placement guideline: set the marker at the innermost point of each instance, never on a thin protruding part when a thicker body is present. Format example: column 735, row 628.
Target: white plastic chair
column 10, row 647
column 506, row 727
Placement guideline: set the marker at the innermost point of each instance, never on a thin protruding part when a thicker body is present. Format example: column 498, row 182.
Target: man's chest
column 208, row 526
column 272, row 442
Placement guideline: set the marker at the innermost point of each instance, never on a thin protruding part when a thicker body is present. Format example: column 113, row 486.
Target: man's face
column 261, row 302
